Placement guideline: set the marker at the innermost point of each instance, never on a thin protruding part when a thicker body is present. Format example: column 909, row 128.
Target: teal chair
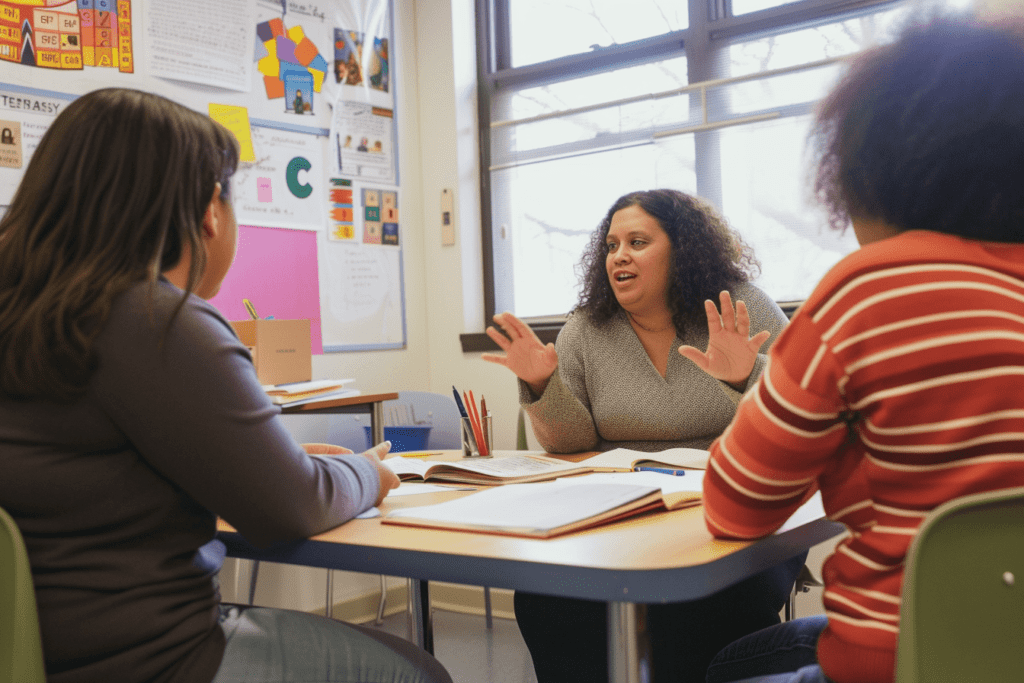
column 21, row 650
column 962, row 612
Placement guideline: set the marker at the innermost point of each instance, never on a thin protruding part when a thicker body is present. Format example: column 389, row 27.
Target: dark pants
column 568, row 638
column 782, row 653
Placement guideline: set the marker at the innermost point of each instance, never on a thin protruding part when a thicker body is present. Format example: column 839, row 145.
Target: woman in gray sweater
column 627, row 370
column 131, row 417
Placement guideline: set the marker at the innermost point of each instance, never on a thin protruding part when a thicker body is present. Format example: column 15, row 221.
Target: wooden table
column 657, row 558
column 364, row 403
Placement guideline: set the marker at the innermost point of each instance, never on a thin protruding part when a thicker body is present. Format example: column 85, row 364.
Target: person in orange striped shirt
column 897, row 385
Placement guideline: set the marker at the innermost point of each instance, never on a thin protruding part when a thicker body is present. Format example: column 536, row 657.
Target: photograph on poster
column 379, row 65
column 348, row 57
column 364, row 141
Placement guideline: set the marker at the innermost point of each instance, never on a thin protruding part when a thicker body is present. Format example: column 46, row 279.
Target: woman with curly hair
column 614, row 379
column 649, row 275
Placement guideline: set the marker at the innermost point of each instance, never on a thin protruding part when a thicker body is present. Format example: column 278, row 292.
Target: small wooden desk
column 364, row 403
column 656, row 558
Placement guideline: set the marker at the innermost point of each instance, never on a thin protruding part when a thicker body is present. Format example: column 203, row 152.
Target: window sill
column 479, row 341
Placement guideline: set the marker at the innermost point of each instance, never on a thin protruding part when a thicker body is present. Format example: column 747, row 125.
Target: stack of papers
column 298, row 393
column 553, row 508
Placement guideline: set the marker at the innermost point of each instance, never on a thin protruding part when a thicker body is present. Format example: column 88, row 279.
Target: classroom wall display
column 307, row 88
column 359, row 256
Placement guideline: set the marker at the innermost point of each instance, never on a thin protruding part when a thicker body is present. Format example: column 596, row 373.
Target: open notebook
column 510, row 468
column 624, row 459
column 553, row 508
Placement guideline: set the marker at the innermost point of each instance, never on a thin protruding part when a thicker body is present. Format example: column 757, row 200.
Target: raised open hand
column 731, row 352
column 525, row 354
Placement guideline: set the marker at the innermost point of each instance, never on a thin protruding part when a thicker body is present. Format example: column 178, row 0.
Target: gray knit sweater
column 606, row 392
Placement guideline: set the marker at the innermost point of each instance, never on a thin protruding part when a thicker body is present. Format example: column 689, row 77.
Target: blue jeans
column 282, row 646
column 785, row 653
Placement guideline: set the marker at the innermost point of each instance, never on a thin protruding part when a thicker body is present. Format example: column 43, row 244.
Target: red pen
column 474, row 418
column 484, row 426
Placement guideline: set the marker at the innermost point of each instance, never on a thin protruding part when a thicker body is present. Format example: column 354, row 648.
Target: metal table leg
column 377, row 423
column 330, row 594
column 377, row 434
column 629, row 644
column 421, row 630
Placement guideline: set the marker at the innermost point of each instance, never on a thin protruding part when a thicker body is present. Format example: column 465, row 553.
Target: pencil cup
column 470, row 447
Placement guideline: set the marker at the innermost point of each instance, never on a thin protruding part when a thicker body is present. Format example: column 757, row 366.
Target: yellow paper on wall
column 236, row 119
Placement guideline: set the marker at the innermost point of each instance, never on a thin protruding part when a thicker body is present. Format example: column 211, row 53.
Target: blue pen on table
column 660, row 470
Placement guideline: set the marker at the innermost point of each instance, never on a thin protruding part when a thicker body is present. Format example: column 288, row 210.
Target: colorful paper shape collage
column 292, row 66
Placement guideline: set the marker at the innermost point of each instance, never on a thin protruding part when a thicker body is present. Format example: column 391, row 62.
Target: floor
column 471, row 652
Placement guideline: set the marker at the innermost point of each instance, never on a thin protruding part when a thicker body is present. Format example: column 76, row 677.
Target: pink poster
column 276, row 270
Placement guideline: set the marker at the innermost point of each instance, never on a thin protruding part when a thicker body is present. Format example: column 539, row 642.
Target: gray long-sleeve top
column 116, row 493
column 606, row 392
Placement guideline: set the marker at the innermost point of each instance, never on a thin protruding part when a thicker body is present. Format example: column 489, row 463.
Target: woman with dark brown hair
column 627, row 371
column 131, row 417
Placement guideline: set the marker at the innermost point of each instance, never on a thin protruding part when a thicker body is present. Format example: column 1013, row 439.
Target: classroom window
column 585, row 103
column 541, row 30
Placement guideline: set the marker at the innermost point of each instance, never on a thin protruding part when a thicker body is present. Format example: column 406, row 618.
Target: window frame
column 710, row 31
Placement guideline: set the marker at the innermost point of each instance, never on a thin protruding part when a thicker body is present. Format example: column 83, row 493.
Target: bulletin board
column 308, row 89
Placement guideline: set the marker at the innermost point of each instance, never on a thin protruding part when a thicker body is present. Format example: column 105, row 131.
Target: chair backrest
column 521, row 443
column 962, row 609
column 410, row 408
column 21, row 650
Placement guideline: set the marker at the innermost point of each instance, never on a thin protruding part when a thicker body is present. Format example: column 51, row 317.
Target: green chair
column 521, row 443
column 962, row 614
column 21, row 650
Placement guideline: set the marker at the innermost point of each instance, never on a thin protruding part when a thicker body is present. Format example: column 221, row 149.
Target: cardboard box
column 281, row 349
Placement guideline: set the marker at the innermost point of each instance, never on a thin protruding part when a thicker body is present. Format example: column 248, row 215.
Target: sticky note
column 264, row 193
column 235, row 119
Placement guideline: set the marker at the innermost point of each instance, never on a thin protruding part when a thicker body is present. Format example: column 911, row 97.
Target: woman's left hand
column 325, row 449
column 731, row 352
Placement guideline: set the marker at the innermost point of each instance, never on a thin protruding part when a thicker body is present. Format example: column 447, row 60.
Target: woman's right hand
column 525, row 354
column 388, row 479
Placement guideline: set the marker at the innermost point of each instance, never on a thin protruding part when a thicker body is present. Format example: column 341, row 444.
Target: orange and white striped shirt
column 897, row 386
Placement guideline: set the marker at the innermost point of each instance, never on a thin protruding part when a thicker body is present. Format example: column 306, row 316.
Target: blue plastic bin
column 407, row 438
